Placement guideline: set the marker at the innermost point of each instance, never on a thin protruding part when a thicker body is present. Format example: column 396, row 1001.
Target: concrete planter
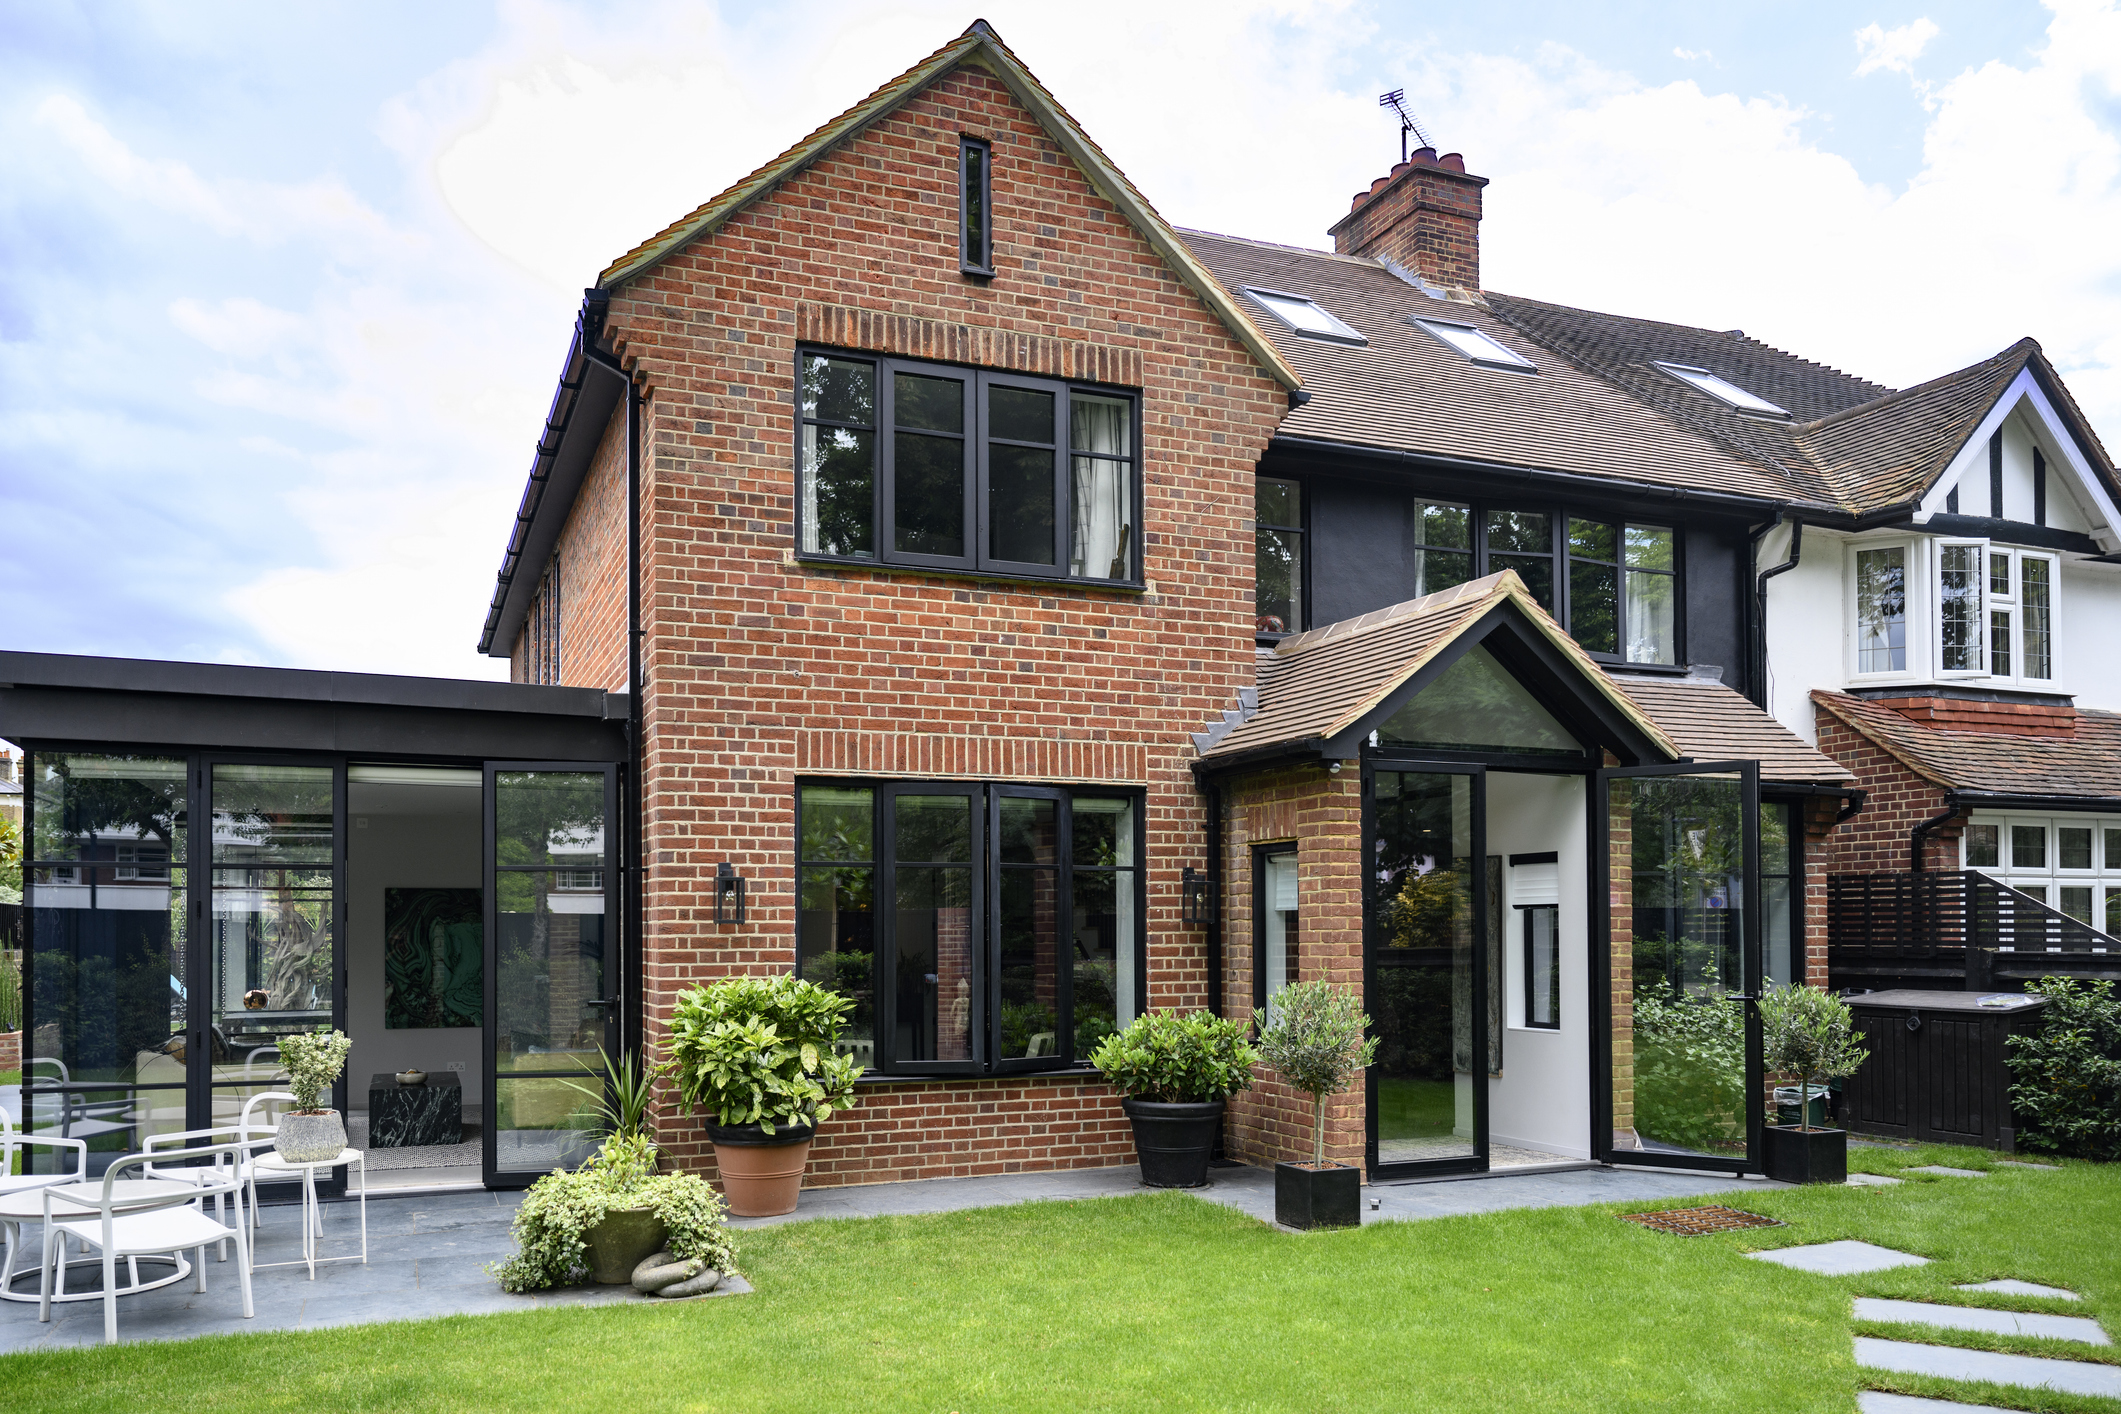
column 620, row 1243
column 310, row 1138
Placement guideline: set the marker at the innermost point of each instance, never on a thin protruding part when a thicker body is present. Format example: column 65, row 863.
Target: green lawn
column 1409, row 1108
column 1165, row 1302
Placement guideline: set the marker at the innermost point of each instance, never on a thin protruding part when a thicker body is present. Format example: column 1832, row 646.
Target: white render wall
column 1807, row 626
column 1542, row 1099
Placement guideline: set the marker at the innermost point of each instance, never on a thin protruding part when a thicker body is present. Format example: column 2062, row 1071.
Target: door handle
column 601, row 1001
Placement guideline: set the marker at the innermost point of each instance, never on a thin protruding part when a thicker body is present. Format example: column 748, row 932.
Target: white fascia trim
column 2025, row 386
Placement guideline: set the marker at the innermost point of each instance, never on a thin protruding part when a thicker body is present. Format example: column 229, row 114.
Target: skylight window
column 1305, row 316
column 1723, row 390
column 1474, row 345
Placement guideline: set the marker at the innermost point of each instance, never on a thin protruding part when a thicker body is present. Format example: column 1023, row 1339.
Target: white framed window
column 1962, row 607
column 2071, row 863
column 1881, row 604
column 1474, row 345
column 2019, row 622
column 1724, row 391
column 1304, row 315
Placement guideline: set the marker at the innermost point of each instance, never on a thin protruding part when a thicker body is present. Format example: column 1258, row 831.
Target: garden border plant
column 2066, row 1078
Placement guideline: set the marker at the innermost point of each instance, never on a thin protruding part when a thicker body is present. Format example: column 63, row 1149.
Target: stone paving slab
column 1949, row 1363
column 1872, row 1180
column 2027, row 1164
column 1947, row 1171
column 1839, row 1259
column 2010, row 1286
column 1876, row 1401
column 1981, row 1318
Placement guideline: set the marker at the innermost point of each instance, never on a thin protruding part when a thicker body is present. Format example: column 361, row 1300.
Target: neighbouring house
column 942, row 578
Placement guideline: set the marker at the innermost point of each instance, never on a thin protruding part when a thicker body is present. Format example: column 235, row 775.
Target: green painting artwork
column 433, row 958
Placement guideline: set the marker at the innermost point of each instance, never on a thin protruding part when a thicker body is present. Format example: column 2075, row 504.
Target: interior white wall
column 1542, row 1098
column 436, row 847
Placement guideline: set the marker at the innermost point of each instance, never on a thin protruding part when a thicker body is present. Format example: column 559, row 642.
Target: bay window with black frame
column 978, row 927
column 937, row 467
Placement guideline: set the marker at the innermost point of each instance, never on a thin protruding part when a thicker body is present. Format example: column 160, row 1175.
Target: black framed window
column 1442, row 550
column 1275, row 914
column 950, row 468
column 975, row 206
column 1623, row 590
column 1782, row 890
column 1278, row 551
column 1542, row 966
column 1009, row 933
column 1523, row 541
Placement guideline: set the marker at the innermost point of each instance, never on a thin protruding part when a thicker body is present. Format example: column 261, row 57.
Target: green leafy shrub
column 758, row 1050
column 552, row 1225
column 313, row 1061
column 1177, row 1059
column 1317, row 1043
column 1810, row 1033
column 1689, row 1068
column 2066, row 1080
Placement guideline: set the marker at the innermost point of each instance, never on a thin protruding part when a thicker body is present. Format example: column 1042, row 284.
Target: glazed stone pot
column 761, row 1173
column 1174, row 1140
column 618, row 1243
column 309, row 1137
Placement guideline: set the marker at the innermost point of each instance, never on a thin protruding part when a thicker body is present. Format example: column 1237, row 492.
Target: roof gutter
column 572, row 371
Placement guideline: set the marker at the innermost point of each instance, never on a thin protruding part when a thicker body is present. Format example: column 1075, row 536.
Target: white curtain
column 1102, row 546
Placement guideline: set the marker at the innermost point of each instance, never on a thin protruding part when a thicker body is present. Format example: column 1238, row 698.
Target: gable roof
column 1314, row 686
column 979, row 46
column 1407, row 391
column 1711, row 722
column 2087, row 764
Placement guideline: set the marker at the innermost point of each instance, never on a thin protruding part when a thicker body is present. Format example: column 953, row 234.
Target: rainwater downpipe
column 1216, row 981
column 595, row 305
column 1921, row 833
column 1759, row 682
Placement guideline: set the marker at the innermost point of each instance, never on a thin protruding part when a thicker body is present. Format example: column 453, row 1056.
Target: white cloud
column 1692, row 55
column 1895, row 50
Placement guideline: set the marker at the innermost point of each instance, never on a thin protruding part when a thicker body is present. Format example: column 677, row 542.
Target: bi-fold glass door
column 552, row 962
column 1682, row 1070
column 1426, row 929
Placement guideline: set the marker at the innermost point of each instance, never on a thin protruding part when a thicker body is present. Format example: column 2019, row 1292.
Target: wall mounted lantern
column 728, row 894
column 1199, row 898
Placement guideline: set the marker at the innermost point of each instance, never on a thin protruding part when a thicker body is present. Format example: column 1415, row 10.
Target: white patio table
column 19, row 1209
column 269, row 1167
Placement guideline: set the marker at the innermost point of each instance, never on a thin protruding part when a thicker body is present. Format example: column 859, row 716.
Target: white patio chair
column 11, row 1144
column 143, row 1218
column 159, row 1146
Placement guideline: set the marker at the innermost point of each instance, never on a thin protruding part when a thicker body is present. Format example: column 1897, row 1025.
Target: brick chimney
column 1424, row 215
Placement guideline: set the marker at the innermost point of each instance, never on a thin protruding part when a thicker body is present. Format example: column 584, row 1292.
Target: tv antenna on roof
column 1396, row 100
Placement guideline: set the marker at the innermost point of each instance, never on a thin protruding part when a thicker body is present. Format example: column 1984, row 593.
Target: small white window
column 1961, row 616
column 1881, row 609
column 2021, row 613
column 1474, row 344
column 1723, row 390
column 1305, row 316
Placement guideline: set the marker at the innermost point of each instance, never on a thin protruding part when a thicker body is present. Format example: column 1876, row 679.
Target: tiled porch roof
column 1711, row 722
column 2087, row 764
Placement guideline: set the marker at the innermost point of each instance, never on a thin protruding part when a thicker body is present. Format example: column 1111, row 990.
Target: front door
column 552, row 950
column 1682, row 1066
column 1426, row 969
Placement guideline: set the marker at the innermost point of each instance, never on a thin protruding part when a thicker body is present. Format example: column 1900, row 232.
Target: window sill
column 1070, row 1072
column 1668, row 670
column 993, row 577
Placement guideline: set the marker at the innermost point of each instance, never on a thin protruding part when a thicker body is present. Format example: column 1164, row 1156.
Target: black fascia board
column 2011, row 800
column 574, row 427
column 2011, row 532
column 1495, row 480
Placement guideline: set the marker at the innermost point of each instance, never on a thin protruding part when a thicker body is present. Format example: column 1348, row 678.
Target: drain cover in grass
column 1693, row 1222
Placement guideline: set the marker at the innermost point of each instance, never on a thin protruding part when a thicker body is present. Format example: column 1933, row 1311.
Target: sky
column 284, row 290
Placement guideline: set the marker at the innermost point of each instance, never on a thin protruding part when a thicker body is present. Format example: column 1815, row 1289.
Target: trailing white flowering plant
column 313, row 1061
column 552, row 1225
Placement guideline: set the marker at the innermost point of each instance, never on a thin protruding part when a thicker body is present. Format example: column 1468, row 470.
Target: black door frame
column 1477, row 1162
column 1601, row 998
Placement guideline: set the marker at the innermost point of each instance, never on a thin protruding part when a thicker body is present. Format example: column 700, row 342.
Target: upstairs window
column 1442, row 551
column 1881, row 609
column 1723, row 390
column 1623, row 590
column 1995, row 611
column 927, row 465
column 1305, row 316
column 1278, row 551
column 1475, row 345
column 975, row 206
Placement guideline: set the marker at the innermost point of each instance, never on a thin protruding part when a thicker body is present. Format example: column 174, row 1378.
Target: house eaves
column 980, row 47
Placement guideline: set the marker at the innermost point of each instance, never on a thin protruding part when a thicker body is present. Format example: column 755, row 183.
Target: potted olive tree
column 756, row 1054
column 1176, row 1074
column 1810, row 1033
column 1316, row 1043
column 311, row 1132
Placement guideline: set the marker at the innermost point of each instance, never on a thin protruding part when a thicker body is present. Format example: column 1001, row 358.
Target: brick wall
column 760, row 669
column 1424, row 215
column 1323, row 814
column 1876, row 840
column 10, row 1050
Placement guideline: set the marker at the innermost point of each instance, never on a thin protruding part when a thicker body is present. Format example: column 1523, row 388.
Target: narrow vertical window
column 2003, row 601
column 1101, row 445
column 1542, row 966
column 1781, row 868
column 1594, row 585
column 835, row 925
column 1524, row 541
column 1442, row 550
column 1275, row 931
column 1959, row 603
column 1651, row 561
column 1881, row 610
column 1022, row 459
column 2036, row 585
column 1106, row 892
column 975, row 161
column 928, row 450
column 1278, row 531
column 839, row 457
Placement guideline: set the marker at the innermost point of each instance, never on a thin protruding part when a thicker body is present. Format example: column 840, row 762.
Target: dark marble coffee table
column 404, row 1116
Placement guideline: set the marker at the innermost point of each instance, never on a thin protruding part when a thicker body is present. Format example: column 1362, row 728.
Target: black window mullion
column 1063, row 477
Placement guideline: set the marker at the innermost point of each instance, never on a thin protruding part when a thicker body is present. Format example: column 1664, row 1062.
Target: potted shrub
column 756, row 1053
column 553, row 1227
column 619, row 1241
column 1316, row 1043
column 1176, row 1073
column 311, row 1132
column 1809, row 1033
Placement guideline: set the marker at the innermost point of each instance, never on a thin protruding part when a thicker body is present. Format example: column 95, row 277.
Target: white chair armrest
column 79, row 1146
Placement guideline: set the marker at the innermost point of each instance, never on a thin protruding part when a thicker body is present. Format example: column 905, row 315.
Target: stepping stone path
column 1946, row 1362
column 2011, row 1287
column 1839, row 1259
column 1948, row 1172
column 2026, row 1164
column 1873, row 1401
column 1980, row 1318
column 1871, row 1180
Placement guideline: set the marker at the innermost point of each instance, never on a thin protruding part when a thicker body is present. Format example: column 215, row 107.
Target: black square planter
column 1792, row 1155
column 1305, row 1197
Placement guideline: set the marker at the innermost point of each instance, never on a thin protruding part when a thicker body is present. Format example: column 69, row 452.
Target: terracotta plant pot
column 761, row 1173
column 619, row 1243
